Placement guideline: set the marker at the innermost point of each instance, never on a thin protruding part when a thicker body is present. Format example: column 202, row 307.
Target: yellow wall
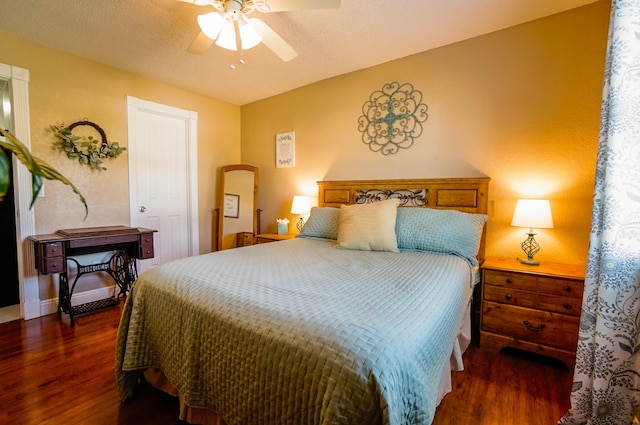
column 521, row 106
column 67, row 88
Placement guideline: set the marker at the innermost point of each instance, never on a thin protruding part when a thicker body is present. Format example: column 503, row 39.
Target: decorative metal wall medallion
column 407, row 197
column 392, row 118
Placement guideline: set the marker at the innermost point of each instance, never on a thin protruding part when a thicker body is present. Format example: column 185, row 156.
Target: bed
column 358, row 320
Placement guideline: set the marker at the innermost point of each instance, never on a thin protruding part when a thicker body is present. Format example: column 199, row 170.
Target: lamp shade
column 301, row 205
column 221, row 26
column 248, row 35
column 227, row 38
column 211, row 24
column 533, row 213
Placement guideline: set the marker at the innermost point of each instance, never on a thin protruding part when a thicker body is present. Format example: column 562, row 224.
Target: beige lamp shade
column 533, row 213
column 301, row 205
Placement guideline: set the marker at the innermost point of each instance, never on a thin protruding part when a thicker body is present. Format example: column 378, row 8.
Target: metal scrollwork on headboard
column 407, row 197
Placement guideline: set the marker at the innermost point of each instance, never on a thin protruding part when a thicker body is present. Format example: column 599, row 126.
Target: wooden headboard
column 463, row 194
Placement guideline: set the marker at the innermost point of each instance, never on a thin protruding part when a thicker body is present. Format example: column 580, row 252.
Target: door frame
column 191, row 118
column 25, row 216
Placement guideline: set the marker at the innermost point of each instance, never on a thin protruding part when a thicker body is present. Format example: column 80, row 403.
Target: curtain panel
column 606, row 385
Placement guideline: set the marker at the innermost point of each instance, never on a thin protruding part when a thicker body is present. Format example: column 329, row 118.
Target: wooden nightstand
column 273, row 237
column 534, row 308
column 244, row 239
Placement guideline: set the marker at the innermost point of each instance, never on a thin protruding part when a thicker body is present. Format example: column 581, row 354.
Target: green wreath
column 87, row 150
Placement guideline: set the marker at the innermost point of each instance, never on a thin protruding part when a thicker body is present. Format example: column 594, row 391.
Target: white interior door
column 163, row 178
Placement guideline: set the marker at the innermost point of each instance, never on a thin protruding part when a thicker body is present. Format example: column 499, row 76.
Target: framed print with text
column 231, row 205
column 286, row 149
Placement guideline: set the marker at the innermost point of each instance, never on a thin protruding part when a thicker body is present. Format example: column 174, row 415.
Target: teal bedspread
column 298, row 332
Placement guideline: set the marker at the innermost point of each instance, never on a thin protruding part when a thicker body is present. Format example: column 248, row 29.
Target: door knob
column 142, row 209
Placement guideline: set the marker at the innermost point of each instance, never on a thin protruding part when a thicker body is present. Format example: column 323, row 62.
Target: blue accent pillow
column 323, row 222
column 446, row 231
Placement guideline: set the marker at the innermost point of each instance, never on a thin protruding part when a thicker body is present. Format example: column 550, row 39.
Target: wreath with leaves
column 86, row 149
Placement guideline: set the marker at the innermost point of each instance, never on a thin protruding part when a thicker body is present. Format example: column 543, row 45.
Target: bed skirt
column 194, row 415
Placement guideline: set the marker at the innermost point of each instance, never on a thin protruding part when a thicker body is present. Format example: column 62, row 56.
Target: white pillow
column 368, row 227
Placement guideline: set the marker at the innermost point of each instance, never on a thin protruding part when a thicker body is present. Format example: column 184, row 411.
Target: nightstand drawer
column 510, row 280
column 510, row 296
column 560, row 287
column 531, row 325
column 564, row 305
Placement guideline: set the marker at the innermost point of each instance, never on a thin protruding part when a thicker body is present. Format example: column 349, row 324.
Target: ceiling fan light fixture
column 227, row 38
column 211, row 24
column 250, row 38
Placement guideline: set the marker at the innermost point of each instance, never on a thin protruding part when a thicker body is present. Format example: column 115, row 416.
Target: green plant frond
column 5, row 178
column 38, row 168
column 19, row 150
column 36, row 187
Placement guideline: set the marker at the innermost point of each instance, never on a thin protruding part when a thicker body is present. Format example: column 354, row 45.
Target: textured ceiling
column 150, row 37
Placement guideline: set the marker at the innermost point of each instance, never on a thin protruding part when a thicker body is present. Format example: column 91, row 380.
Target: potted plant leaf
column 38, row 168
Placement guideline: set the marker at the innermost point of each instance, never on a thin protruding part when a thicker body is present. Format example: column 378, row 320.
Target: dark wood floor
column 51, row 373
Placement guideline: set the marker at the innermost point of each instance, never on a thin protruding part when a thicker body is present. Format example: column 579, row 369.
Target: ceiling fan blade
column 200, row 44
column 286, row 5
column 273, row 41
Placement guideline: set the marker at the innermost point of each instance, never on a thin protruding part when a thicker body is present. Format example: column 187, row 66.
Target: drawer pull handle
column 508, row 297
column 567, row 306
column 567, row 288
column 509, row 280
column 534, row 328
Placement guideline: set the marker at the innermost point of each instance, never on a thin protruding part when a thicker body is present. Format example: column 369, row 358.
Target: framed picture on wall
column 286, row 149
column 231, row 205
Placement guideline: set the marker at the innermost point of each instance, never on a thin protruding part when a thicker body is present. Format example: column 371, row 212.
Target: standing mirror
column 236, row 216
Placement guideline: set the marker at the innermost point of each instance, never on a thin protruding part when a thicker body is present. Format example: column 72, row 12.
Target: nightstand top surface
column 276, row 236
column 547, row 269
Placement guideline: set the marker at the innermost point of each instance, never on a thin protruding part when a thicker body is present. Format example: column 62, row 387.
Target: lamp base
column 531, row 248
column 530, row 261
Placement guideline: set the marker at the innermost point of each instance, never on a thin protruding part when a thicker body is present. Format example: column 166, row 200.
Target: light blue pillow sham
column 323, row 222
column 446, row 231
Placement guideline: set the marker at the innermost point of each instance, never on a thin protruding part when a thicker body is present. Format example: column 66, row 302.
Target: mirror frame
column 219, row 216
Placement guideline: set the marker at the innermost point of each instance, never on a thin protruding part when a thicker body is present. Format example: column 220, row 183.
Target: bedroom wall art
column 286, row 150
column 392, row 118
column 86, row 149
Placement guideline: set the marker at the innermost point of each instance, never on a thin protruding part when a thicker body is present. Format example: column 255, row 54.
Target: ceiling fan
column 229, row 27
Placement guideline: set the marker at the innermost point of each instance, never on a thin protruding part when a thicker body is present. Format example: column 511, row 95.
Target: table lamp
column 301, row 205
column 532, row 213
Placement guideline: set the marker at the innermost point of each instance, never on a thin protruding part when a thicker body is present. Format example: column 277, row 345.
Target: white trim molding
column 25, row 217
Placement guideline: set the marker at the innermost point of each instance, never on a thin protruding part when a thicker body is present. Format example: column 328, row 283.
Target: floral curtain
column 606, row 384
